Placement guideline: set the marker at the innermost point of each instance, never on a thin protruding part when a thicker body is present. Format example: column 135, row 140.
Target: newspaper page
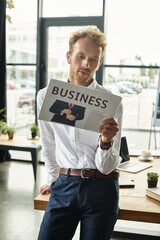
column 78, row 106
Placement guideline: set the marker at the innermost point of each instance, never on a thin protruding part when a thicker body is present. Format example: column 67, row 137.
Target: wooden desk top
column 134, row 204
column 20, row 141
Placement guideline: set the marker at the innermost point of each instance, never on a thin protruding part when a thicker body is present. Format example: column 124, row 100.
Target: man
column 86, row 189
column 66, row 113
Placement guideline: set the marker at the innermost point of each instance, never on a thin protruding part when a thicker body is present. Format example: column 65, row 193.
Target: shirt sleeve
column 48, row 144
column 107, row 160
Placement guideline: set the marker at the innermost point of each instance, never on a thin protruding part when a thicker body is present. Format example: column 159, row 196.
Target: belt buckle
column 82, row 176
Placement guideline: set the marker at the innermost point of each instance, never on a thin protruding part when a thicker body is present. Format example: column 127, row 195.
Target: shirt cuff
column 105, row 145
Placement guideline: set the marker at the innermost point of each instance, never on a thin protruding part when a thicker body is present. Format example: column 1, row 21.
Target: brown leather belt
column 88, row 173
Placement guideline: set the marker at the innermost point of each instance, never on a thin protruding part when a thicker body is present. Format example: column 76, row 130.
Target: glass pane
column 57, row 48
column 138, row 92
column 133, row 32
column 21, row 32
column 21, row 96
column 70, row 8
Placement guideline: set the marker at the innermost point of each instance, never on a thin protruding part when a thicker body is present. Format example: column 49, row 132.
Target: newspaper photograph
column 78, row 106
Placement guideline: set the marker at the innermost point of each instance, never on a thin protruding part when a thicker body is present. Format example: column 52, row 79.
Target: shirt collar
column 92, row 85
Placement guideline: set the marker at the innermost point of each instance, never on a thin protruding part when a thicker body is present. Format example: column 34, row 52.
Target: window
column 21, row 95
column 132, row 63
column 70, row 8
column 138, row 92
column 21, row 62
column 133, row 34
column 57, row 49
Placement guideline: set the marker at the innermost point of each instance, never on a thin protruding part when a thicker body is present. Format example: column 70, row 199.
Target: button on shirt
column 71, row 147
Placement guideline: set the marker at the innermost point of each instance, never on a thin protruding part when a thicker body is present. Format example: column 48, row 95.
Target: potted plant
column 152, row 178
column 8, row 129
column 2, row 122
column 3, row 126
column 10, row 132
column 34, row 130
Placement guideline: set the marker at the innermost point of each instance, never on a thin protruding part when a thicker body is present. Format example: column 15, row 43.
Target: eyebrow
column 85, row 54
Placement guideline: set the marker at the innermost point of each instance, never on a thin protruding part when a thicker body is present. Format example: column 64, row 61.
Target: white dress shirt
column 70, row 147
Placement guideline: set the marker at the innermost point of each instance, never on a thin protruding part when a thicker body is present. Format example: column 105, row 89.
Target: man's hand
column 66, row 111
column 45, row 189
column 70, row 117
column 108, row 129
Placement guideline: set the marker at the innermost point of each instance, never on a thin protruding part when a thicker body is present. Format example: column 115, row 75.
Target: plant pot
column 33, row 134
column 10, row 136
column 152, row 183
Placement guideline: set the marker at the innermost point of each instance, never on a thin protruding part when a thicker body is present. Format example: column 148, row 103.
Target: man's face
column 84, row 61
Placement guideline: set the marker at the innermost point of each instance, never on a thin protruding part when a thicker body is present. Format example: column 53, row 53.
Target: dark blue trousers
column 92, row 202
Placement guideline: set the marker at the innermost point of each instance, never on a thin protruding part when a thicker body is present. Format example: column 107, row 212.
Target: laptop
column 128, row 165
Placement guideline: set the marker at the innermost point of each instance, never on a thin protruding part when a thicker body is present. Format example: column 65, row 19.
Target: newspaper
column 78, row 106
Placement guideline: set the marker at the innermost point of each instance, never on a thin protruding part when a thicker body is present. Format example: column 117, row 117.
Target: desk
column 22, row 144
column 134, row 204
